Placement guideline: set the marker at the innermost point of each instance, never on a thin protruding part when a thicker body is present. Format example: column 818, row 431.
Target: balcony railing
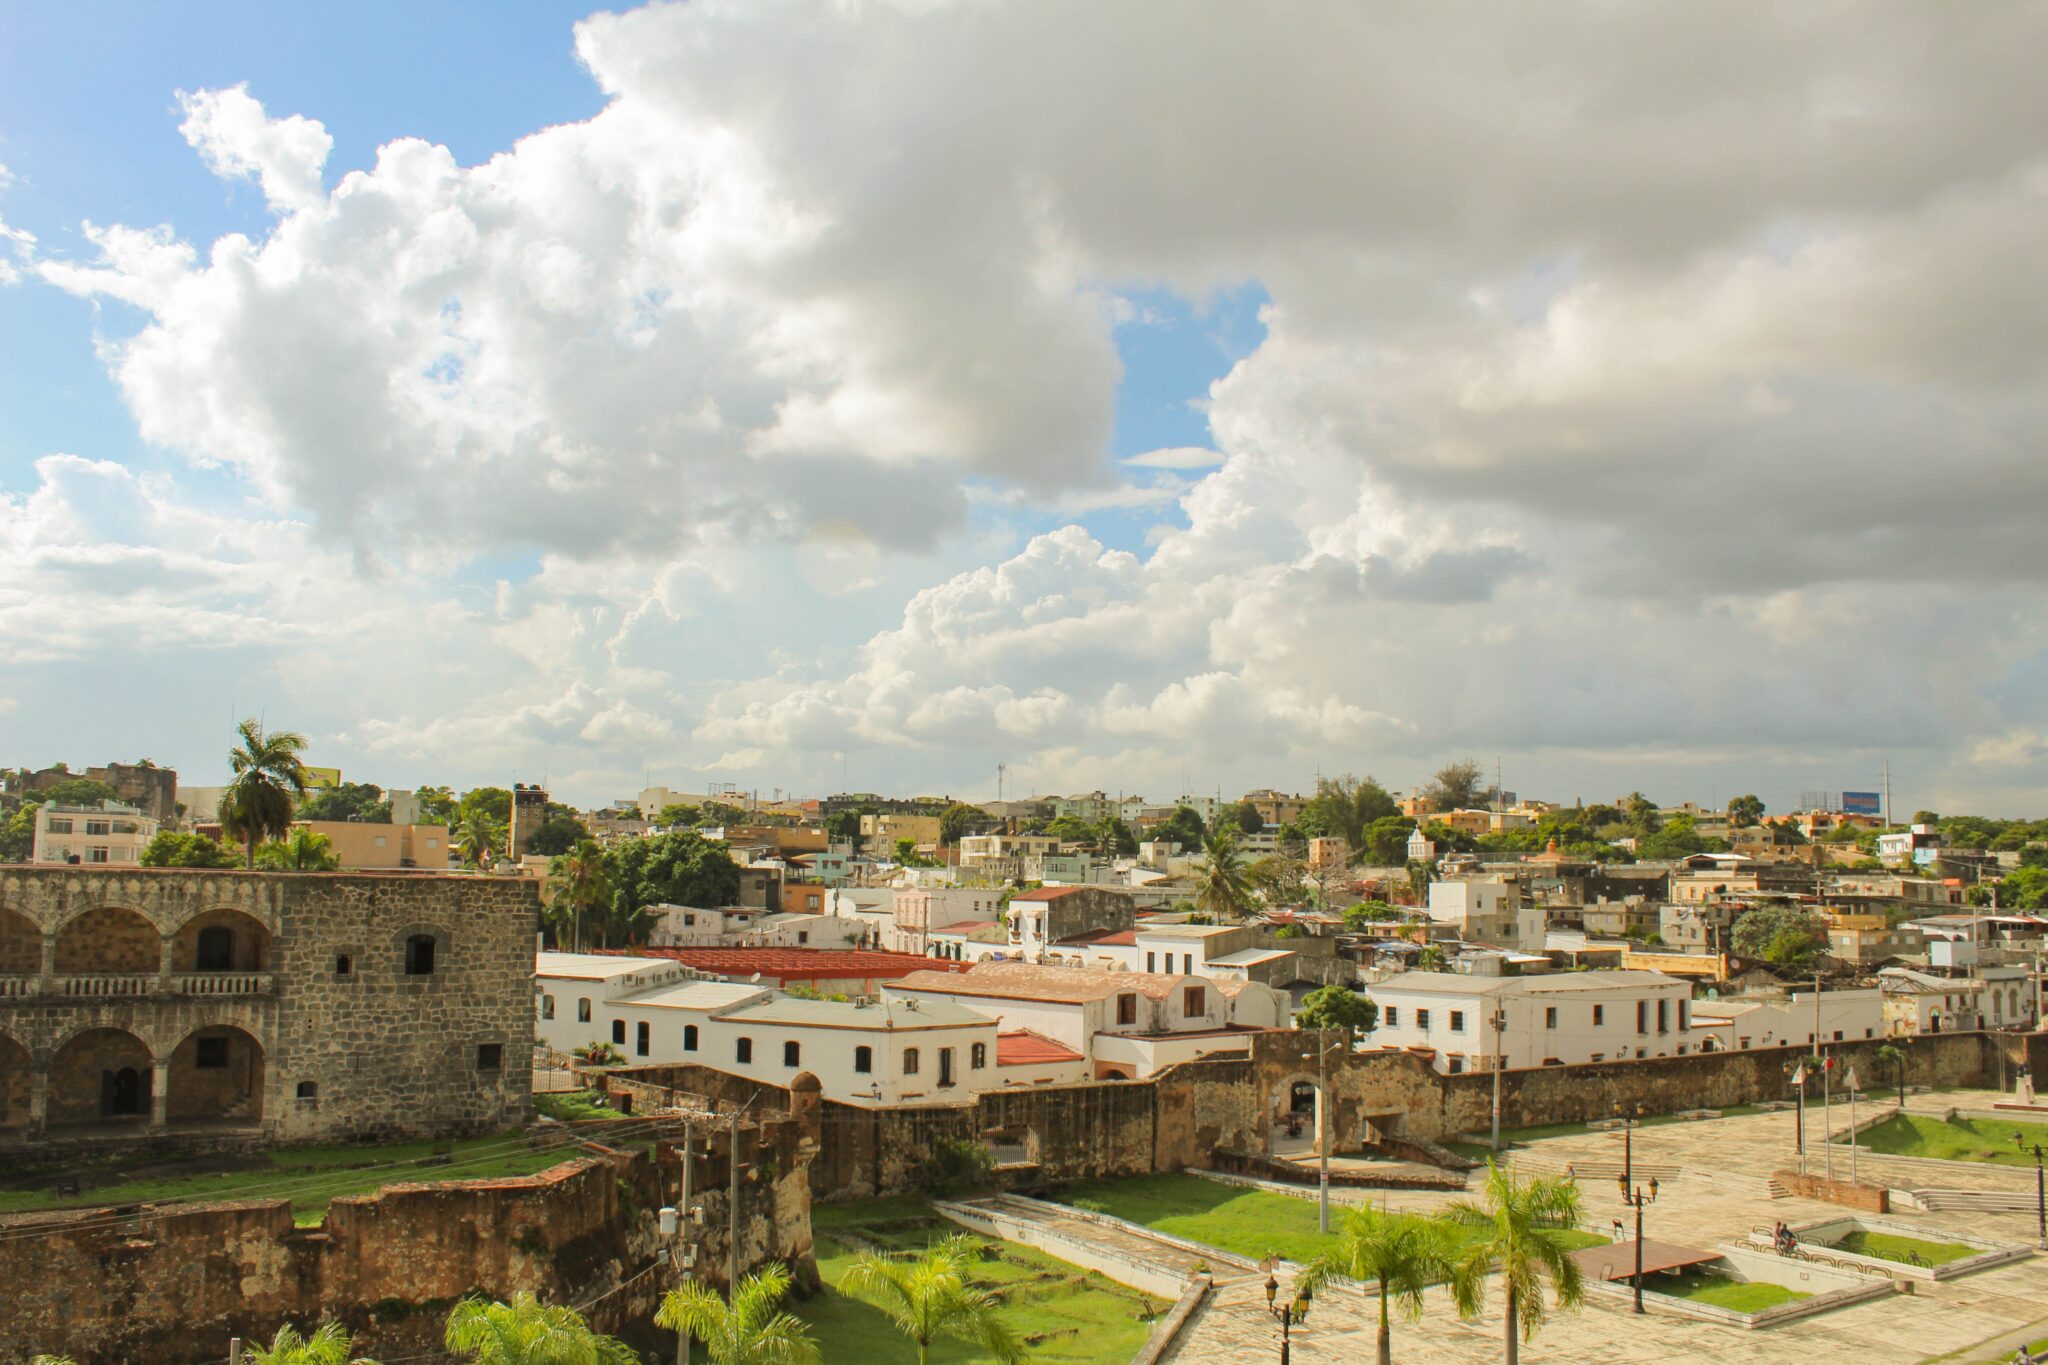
column 224, row 983
column 104, row 987
column 135, row 985
column 16, row 987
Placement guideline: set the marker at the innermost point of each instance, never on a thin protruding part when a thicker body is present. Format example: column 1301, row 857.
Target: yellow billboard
column 318, row 779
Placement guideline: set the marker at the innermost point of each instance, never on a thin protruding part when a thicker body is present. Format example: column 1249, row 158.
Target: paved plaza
column 1722, row 1191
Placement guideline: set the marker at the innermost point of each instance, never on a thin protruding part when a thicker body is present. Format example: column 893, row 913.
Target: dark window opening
column 619, row 1032
column 1127, row 1009
column 689, row 1037
column 216, row 951
column 309, row 1090
column 743, row 1050
column 864, row 1060
column 977, row 1056
column 210, row 1054
column 419, row 955
column 547, row 1007
column 344, row 965
column 643, row 1035
column 124, row 1092
column 583, row 1011
column 945, row 1066
column 910, row 1061
column 490, row 1056
column 790, row 1053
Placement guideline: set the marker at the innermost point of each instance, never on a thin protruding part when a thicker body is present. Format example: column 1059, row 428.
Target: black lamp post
column 1630, row 1115
column 1636, row 1199
column 2040, row 1186
column 1289, row 1313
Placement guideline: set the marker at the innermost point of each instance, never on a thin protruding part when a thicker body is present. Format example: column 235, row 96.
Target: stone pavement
column 1720, row 1193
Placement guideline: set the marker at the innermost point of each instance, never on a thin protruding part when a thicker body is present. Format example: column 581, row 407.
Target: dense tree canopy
column 1455, row 786
column 960, row 819
column 559, row 832
column 437, row 805
column 494, row 802
column 1335, row 1006
column 350, row 801
column 1782, row 935
column 1344, row 807
column 1183, row 827
column 678, row 868
column 172, row 849
column 1745, row 811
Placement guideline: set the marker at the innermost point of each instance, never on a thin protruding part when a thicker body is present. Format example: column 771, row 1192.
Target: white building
column 1922, row 1002
column 920, row 910
column 1128, row 1024
column 1421, row 848
column 876, row 1052
column 689, row 926
column 1797, row 1019
column 106, row 835
column 1554, row 1020
column 1488, row 909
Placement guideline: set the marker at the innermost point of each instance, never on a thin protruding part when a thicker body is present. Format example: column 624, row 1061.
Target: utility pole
column 1887, row 792
column 732, row 1212
column 689, row 1150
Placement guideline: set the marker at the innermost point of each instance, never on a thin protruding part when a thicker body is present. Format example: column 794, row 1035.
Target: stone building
column 150, row 789
column 159, row 1003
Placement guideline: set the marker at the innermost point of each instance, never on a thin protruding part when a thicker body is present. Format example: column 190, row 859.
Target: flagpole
column 1799, row 1119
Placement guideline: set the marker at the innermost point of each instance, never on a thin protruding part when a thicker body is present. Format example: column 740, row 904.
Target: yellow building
column 366, row 847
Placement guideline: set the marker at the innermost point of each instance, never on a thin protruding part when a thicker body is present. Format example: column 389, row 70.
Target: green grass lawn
column 1741, row 1296
column 1957, row 1139
column 311, row 1177
column 1061, row 1312
column 1233, row 1218
column 1890, row 1246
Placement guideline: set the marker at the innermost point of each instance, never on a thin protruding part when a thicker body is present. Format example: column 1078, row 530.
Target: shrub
column 955, row 1166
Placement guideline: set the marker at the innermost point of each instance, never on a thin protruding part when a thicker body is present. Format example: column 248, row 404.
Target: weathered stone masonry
column 287, row 1006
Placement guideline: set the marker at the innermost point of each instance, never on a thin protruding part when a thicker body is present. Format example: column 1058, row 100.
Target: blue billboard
column 1862, row 803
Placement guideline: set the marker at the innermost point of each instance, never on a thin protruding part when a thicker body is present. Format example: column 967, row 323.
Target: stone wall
column 346, row 1043
column 1868, row 1198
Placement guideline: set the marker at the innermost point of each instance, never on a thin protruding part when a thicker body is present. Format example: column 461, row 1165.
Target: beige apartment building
column 109, row 834
column 365, row 847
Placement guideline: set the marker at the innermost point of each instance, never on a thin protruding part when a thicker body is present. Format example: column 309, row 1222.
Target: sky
column 1154, row 398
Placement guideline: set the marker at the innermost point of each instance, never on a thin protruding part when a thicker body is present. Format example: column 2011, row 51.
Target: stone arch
column 215, row 1074
column 405, row 955
column 109, row 940
column 1294, row 1123
column 17, row 1069
column 21, row 944
column 101, row 1075
column 221, row 940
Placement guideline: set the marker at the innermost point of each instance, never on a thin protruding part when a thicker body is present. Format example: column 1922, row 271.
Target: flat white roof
column 593, row 966
column 695, row 995
column 1250, row 957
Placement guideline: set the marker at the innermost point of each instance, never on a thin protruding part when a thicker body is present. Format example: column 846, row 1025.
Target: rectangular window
column 547, row 1007
column 490, row 1056
column 1684, row 1014
column 1187, row 962
column 1599, row 1015
column 791, row 1054
column 1457, row 1021
column 1194, row 1002
column 1127, row 1009
column 98, row 827
column 1642, row 1016
column 1393, row 1016
column 642, row 1035
column 1550, row 1016
column 1457, row 1065
column 619, row 1032
column 60, row 827
column 864, row 1060
column 1150, row 964
column 1422, row 1020
column 96, row 854
column 743, row 1050
column 945, row 1067
column 583, row 1011
column 910, row 1061
column 689, row 1037
column 1663, row 1016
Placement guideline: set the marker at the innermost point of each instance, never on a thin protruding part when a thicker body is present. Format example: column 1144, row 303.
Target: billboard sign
column 1862, row 803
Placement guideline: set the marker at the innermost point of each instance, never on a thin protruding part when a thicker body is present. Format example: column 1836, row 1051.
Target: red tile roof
column 1025, row 1048
column 802, row 964
column 1111, row 937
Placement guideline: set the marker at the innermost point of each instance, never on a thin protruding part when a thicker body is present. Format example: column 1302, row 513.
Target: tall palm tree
column 303, row 850
column 1520, row 1219
column 930, row 1298
column 1220, row 886
column 329, row 1345
column 527, row 1332
column 477, row 839
column 583, row 886
column 752, row 1331
column 1403, row 1255
column 268, row 777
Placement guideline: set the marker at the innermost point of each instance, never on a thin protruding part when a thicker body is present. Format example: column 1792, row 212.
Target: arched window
column 977, row 1056
column 619, row 1032
column 216, row 949
column 689, row 1037
column 743, row 1050
column 547, row 1006
column 419, row 955
column 910, row 1061
column 791, row 1053
column 583, row 1010
column 864, row 1060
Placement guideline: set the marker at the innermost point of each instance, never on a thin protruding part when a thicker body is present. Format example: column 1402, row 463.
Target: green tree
column 1368, row 912
column 959, row 819
column 1183, row 827
column 1640, row 814
column 1677, row 838
column 1244, row 815
column 1072, row 829
column 930, row 1299
column 359, row 801
column 1783, row 935
column 1401, row 1256
column 436, row 805
column 18, row 834
column 266, row 777
column 1220, row 887
column 1745, row 811
column 495, row 802
column 171, row 849
column 752, row 1331
column 680, row 814
column 1517, row 1222
column 329, row 1345
column 1894, row 1061
column 527, row 1332
column 302, row 850
column 477, row 837
column 559, row 832
column 1335, row 1006
column 1115, row 837
column 842, row 824
column 77, row 791
column 1455, row 786
column 1386, row 840
column 1281, row 878
column 681, row 867
column 1430, row 959
column 583, row 887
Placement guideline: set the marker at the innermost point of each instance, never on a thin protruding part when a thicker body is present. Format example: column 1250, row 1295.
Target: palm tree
column 1403, row 1255
column 583, row 885
column 527, row 1332
column 327, row 1346
column 1520, row 1219
column 750, row 1332
column 1220, row 886
column 477, row 839
column 303, row 850
column 268, row 778
column 930, row 1298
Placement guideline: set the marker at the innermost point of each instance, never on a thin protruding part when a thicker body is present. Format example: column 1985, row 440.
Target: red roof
column 1025, row 1048
column 1105, row 936
column 802, row 964
column 1051, row 893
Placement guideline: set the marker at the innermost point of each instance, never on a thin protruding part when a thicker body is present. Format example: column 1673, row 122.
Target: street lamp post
column 1289, row 1313
column 1799, row 1118
column 1636, row 1199
column 2040, row 1187
column 1323, row 1131
column 1630, row 1116
column 1500, row 1024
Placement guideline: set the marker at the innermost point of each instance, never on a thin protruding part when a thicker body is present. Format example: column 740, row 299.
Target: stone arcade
column 159, row 1004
